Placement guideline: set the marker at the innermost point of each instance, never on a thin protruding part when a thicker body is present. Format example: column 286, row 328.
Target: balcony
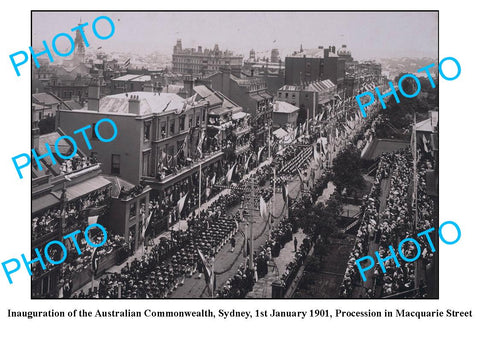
column 241, row 130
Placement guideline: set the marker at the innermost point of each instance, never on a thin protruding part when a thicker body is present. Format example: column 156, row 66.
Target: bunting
column 181, row 203
column 208, row 270
column 263, row 209
column 260, row 153
column 230, row 173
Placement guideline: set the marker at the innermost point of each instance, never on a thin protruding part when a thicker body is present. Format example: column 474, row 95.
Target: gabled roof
column 424, row 126
column 208, row 95
column 284, row 107
column 45, row 98
column 150, row 102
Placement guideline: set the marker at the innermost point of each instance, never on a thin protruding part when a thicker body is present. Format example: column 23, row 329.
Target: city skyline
column 388, row 34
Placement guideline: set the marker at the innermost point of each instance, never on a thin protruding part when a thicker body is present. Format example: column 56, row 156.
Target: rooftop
column 133, row 77
column 150, row 102
column 284, row 107
column 45, row 98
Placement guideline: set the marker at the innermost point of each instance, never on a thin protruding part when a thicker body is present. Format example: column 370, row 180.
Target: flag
column 285, row 192
column 321, row 116
column 230, row 173
column 425, row 143
column 246, row 163
column 260, row 153
column 181, row 203
column 94, row 260
column 145, row 225
column 185, row 147
column 200, row 142
column 162, row 158
column 126, row 63
column 208, row 271
column 263, row 209
column 316, row 154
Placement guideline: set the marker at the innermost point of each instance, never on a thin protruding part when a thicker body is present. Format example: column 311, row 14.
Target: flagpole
column 213, row 276
column 199, row 187
column 308, row 117
column 269, row 141
column 272, row 202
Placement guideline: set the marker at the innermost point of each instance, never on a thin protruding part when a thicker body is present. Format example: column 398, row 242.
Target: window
column 163, row 130
column 198, row 120
column 146, row 164
column 133, row 210
column 286, row 94
column 182, row 123
column 190, row 122
column 146, row 130
column 115, row 164
column 172, row 127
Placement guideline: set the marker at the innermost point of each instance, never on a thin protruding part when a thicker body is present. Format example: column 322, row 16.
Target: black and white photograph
column 235, row 155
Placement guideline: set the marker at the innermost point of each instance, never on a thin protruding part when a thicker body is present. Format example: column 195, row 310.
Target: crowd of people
column 380, row 229
column 76, row 163
column 297, row 261
column 49, row 220
column 299, row 161
column 46, row 223
column 165, row 266
column 75, row 262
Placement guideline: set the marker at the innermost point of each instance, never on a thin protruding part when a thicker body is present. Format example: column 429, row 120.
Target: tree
column 347, row 170
column 46, row 125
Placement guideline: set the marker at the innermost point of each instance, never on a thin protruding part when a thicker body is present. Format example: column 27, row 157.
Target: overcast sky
column 368, row 35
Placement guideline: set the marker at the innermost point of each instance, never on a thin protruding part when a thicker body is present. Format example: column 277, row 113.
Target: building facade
column 203, row 61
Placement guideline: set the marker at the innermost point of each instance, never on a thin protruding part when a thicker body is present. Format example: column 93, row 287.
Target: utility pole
column 272, row 202
column 250, row 205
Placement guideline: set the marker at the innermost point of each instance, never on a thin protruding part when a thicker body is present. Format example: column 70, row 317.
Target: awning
column 256, row 97
column 266, row 95
column 218, row 111
column 44, row 202
column 84, row 188
column 238, row 115
column 324, row 100
column 280, row 133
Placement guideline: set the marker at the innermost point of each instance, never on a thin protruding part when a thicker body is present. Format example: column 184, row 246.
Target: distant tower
column 178, row 47
column 274, row 57
column 252, row 54
column 301, row 48
column 79, row 46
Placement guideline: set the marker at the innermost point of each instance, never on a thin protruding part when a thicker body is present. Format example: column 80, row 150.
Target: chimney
column 134, row 104
column 188, row 87
column 333, row 49
column 326, row 52
column 148, row 87
column 94, row 95
column 199, row 49
column 35, row 138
